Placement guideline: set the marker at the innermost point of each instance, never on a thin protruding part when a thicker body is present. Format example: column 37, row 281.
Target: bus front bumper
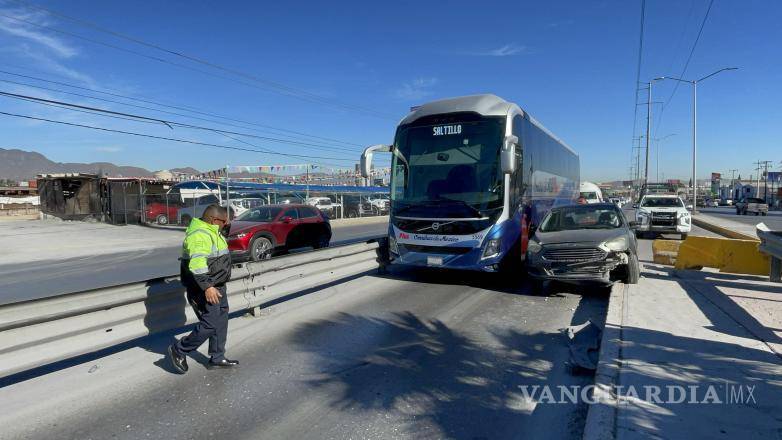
column 453, row 258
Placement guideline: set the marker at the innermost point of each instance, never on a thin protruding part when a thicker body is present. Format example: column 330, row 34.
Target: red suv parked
column 161, row 213
column 260, row 232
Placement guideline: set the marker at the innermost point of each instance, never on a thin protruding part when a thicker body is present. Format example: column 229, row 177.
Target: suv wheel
column 261, row 249
column 162, row 219
column 322, row 241
column 633, row 270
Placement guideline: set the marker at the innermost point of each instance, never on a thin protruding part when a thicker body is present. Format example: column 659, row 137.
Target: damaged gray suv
column 584, row 243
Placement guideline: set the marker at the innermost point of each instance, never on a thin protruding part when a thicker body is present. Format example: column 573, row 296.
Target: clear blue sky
column 571, row 64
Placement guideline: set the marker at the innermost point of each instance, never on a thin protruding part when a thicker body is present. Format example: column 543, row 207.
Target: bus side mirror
column 366, row 158
column 508, row 154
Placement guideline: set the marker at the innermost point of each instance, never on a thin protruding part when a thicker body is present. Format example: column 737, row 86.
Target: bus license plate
column 434, row 261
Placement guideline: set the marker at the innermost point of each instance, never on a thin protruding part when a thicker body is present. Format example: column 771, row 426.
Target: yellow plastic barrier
column 726, row 254
column 665, row 251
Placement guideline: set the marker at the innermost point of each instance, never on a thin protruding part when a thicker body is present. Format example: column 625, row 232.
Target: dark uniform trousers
column 212, row 324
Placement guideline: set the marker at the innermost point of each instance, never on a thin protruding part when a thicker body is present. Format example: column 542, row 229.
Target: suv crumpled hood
column 587, row 236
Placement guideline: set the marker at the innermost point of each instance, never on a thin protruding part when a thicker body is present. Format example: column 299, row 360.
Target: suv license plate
column 434, row 261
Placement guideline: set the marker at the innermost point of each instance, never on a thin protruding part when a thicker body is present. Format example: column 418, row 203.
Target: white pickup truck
column 751, row 205
column 659, row 213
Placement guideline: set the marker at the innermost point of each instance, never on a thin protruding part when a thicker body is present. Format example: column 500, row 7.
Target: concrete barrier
column 726, row 254
column 40, row 332
column 720, row 230
column 665, row 251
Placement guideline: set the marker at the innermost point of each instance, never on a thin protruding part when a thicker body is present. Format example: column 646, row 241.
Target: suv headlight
column 534, row 247
column 618, row 244
column 492, row 248
column 684, row 218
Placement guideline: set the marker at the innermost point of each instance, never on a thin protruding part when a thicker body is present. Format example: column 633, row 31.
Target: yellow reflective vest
column 206, row 261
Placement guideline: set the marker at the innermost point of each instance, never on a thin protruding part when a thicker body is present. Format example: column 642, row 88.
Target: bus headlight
column 492, row 248
column 392, row 245
column 617, row 245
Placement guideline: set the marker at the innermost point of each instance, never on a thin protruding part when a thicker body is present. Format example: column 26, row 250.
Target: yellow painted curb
column 726, row 254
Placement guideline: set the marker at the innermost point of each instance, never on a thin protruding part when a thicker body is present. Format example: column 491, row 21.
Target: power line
column 638, row 67
column 270, row 85
column 266, row 138
column 186, row 141
column 687, row 63
column 178, row 107
column 317, row 146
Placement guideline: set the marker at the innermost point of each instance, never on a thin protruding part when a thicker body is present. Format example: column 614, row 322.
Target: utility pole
column 637, row 178
column 762, row 164
column 648, row 132
column 732, row 181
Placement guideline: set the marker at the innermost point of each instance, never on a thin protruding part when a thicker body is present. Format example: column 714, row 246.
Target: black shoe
column 178, row 361
column 225, row 363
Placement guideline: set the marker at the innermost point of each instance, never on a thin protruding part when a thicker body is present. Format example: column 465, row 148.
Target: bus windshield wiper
column 477, row 212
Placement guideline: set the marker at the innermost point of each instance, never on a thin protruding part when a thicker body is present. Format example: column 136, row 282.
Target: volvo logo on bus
column 435, row 226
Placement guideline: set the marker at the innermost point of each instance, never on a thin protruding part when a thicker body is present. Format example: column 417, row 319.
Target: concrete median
column 726, row 254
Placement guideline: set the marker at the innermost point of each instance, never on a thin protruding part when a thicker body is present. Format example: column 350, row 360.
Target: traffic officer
column 205, row 268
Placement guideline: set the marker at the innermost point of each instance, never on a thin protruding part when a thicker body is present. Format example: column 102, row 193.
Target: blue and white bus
column 469, row 176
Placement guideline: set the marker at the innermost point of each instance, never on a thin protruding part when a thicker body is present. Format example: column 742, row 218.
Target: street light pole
column 694, row 146
column 648, row 132
column 694, row 84
column 648, row 129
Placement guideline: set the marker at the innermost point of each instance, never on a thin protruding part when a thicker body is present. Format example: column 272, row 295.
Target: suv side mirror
column 287, row 219
column 532, row 229
column 689, row 207
column 508, row 154
column 632, row 224
column 635, row 205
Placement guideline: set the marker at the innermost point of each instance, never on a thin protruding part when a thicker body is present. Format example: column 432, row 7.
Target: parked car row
column 173, row 210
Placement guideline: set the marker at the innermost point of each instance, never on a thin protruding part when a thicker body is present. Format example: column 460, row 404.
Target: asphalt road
column 412, row 354
column 773, row 220
column 41, row 279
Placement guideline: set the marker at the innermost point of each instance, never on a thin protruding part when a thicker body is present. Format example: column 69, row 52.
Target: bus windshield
column 448, row 170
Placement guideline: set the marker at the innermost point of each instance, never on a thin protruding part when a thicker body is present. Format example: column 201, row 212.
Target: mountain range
column 21, row 165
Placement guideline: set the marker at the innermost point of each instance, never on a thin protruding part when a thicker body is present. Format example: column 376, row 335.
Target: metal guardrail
column 771, row 244
column 39, row 332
